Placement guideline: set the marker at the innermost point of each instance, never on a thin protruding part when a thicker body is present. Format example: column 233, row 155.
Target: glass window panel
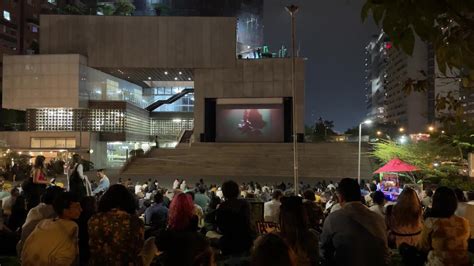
column 60, row 143
column 35, row 143
column 70, row 143
column 48, row 143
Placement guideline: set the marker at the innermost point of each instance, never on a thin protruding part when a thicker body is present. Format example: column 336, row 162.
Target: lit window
column 6, row 15
column 34, row 29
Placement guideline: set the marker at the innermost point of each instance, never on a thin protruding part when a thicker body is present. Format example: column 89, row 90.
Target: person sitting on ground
column 313, row 210
column 233, row 221
column 427, row 198
column 116, row 234
column 466, row 210
column 354, row 235
column 201, row 199
column 295, row 229
column 156, row 215
column 333, row 204
column 89, row 208
column 198, row 210
column 54, row 241
column 372, row 188
column 271, row 209
column 18, row 215
column 445, row 235
column 379, row 201
column 180, row 242
column 44, row 210
column 7, row 202
column 404, row 219
column 272, row 250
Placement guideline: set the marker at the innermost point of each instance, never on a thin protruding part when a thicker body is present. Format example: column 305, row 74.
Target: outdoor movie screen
column 249, row 123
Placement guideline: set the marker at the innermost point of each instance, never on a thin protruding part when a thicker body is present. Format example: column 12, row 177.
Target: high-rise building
column 19, row 30
column 388, row 70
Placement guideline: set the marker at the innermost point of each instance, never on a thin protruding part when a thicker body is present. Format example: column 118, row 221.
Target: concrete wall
column 40, row 81
column 148, row 42
column 266, row 78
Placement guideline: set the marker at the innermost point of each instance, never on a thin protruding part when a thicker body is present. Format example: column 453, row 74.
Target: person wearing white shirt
column 7, row 202
column 271, row 209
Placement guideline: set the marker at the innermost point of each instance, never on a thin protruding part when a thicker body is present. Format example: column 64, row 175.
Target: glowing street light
column 403, row 139
column 431, row 128
column 379, row 133
column 401, row 129
column 366, row 122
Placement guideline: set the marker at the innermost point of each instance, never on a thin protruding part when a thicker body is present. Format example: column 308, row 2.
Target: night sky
column 332, row 36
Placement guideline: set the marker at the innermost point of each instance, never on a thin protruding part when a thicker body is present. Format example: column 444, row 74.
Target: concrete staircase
column 317, row 160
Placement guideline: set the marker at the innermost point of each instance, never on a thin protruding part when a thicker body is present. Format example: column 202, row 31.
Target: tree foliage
column 321, row 130
column 422, row 154
column 123, row 8
column 447, row 24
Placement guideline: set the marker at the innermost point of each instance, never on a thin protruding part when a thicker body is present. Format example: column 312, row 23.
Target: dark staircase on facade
column 170, row 100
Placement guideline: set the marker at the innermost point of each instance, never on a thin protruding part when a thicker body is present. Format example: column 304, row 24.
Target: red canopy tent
column 389, row 182
column 395, row 166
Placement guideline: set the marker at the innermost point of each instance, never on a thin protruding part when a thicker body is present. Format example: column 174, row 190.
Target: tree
column 321, row 130
column 433, row 158
column 162, row 9
column 106, row 9
column 123, row 8
column 72, row 10
column 446, row 24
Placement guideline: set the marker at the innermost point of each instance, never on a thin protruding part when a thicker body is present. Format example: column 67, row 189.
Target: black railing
column 170, row 100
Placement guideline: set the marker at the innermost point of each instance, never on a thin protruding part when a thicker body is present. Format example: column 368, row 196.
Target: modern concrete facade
column 388, row 71
column 94, row 74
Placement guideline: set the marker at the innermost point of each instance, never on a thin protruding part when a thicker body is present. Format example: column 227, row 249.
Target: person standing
column 77, row 179
column 104, row 183
column 37, row 183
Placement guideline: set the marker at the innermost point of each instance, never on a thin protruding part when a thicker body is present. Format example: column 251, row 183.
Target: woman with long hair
column 116, row 234
column 445, row 235
column 77, row 182
column 182, row 215
column 404, row 219
column 180, row 243
column 37, row 184
column 295, row 230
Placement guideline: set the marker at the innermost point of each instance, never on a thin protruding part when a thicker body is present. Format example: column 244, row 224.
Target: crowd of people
column 127, row 223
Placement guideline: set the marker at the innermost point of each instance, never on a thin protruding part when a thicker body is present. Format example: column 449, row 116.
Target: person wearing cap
column 104, row 182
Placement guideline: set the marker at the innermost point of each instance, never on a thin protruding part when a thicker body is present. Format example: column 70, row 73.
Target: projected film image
column 249, row 123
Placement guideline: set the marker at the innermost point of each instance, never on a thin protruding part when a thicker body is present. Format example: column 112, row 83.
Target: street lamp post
column 360, row 145
column 293, row 9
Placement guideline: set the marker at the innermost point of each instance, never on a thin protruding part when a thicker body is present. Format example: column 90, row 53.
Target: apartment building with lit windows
column 387, row 70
